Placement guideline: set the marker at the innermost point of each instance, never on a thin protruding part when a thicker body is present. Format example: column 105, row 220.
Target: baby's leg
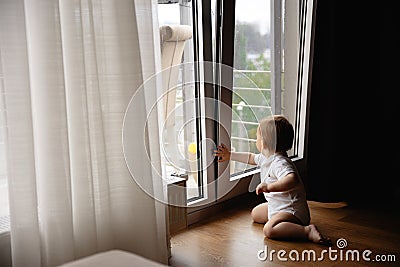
column 260, row 213
column 284, row 225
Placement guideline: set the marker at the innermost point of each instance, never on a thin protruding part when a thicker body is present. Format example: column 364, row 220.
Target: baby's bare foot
column 315, row 236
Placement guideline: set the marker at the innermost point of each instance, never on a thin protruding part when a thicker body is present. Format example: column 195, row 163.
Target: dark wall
column 353, row 141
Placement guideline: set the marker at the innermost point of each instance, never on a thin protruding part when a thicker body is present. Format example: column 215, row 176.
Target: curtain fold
column 70, row 69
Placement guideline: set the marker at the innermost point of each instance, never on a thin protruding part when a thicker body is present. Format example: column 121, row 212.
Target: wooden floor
column 231, row 238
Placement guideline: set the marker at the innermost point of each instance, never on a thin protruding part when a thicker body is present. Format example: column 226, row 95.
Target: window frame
column 220, row 52
column 307, row 10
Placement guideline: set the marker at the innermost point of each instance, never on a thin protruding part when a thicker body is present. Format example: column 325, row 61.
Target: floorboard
column 231, row 238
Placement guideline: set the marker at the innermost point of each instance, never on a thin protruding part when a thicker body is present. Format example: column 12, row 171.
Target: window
column 271, row 44
column 251, row 97
column 184, row 128
column 259, row 53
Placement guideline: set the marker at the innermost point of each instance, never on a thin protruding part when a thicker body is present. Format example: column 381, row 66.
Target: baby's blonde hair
column 277, row 133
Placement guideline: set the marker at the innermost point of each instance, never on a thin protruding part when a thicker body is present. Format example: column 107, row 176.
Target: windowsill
column 244, row 174
column 196, row 201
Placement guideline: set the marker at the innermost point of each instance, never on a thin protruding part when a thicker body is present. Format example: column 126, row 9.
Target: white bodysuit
column 293, row 201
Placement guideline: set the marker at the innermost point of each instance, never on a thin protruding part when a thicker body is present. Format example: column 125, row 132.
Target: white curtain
column 68, row 71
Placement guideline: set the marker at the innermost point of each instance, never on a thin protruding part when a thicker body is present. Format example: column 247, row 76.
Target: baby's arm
column 285, row 184
column 225, row 154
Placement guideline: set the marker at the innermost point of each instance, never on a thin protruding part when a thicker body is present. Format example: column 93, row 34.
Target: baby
column 286, row 213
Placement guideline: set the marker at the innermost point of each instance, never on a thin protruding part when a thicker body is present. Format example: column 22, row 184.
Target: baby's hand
column 223, row 153
column 262, row 187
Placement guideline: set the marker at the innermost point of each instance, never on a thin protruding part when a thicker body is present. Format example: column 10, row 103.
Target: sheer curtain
column 69, row 69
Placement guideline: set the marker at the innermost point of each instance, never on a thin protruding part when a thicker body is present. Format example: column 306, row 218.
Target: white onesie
column 293, row 201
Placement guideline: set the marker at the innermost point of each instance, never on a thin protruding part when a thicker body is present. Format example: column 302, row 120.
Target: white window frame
column 219, row 182
column 306, row 24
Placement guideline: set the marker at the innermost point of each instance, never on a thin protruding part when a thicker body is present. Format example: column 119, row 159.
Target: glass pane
column 179, row 139
column 252, row 75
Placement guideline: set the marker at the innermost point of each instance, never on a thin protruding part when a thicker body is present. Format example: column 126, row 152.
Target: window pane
column 252, row 75
column 266, row 62
column 180, row 134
